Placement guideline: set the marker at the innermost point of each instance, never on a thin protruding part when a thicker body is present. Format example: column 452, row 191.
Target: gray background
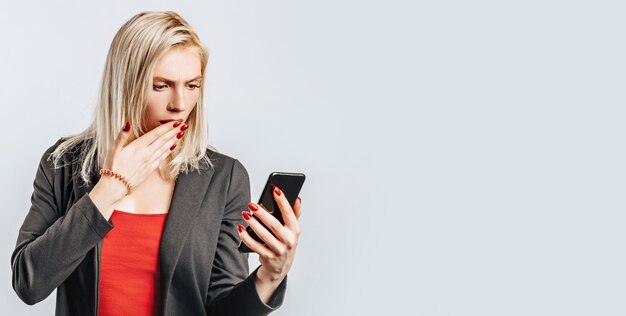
column 462, row 157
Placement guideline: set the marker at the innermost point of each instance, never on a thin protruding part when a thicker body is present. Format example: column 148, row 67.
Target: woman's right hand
column 137, row 160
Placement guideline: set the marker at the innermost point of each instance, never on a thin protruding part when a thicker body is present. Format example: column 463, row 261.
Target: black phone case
column 290, row 184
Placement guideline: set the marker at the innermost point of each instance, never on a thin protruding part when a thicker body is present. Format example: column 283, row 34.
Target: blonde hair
column 127, row 76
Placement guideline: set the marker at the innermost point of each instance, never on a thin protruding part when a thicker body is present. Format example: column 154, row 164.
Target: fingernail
column 277, row 191
column 246, row 215
column 253, row 207
column 184, row 127
column 173, row 146
column 127, row 127
column 177, row 123
column 240, row 227
column 179, row 135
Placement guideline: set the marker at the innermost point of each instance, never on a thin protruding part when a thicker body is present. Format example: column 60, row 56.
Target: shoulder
column 66, row 155
column 227, row 165
column 52, row 166
column 221, row 160
column 47, row 157
column 53, row 147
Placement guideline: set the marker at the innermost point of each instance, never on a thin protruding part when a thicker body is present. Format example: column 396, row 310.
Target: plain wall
column 462, row 157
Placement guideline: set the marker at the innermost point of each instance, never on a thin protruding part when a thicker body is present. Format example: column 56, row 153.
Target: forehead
column 179, row 63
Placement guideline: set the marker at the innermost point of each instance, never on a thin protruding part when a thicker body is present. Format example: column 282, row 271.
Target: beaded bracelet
column 120, row 177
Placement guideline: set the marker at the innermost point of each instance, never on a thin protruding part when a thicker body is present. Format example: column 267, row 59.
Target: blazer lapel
column 189, row 192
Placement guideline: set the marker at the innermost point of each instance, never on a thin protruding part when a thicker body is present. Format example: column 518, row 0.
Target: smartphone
column 290, row 184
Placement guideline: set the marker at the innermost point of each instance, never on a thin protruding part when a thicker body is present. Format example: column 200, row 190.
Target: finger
column 288, row 216
column 274, row 225
column 122, row 137
column 269, row 239
column 164, row 143
column 148, row 138
column 163, row 156
column 253, row 244
column 296, row 207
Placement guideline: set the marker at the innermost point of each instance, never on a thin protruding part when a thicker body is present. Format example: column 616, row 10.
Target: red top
column 129, row 270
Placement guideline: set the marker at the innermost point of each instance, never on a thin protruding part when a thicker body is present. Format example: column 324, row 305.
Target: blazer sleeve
column 51, row 243
column 232, row 291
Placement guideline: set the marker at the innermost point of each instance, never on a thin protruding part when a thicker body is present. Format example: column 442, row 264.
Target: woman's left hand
column 277, row 254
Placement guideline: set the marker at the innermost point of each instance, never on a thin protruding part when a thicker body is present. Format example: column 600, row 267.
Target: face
column 176, row 86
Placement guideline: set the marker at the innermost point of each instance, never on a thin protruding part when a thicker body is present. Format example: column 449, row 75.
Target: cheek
column 193, row 97
column 155, row 102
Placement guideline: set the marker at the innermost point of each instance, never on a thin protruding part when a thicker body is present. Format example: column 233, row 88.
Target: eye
column 194, row 86
column 159, row 87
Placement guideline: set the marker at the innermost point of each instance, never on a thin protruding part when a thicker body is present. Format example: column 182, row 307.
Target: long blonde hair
column 126, row 79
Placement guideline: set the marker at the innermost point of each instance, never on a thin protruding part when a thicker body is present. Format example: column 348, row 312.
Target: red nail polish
column 239, row 227
column 177, row 123
column 179, row 135
column 253, row 207
column 277, row 191
column 127, row 127
column 184, row 127
column 246, row 215
column 173, row 146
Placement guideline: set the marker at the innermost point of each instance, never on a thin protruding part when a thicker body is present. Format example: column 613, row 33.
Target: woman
column 118, row 223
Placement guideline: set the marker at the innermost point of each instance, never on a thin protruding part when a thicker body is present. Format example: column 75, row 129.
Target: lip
column 170, row 120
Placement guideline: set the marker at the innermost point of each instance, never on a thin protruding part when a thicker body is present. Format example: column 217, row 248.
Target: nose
column 177, row 104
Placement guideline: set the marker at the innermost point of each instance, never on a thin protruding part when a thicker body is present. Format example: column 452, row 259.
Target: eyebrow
column 171, row 81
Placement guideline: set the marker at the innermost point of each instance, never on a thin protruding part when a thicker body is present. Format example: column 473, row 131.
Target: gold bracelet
column 120, row 177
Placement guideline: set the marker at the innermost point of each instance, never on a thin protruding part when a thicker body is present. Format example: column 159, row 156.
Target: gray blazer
column 202, row 273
